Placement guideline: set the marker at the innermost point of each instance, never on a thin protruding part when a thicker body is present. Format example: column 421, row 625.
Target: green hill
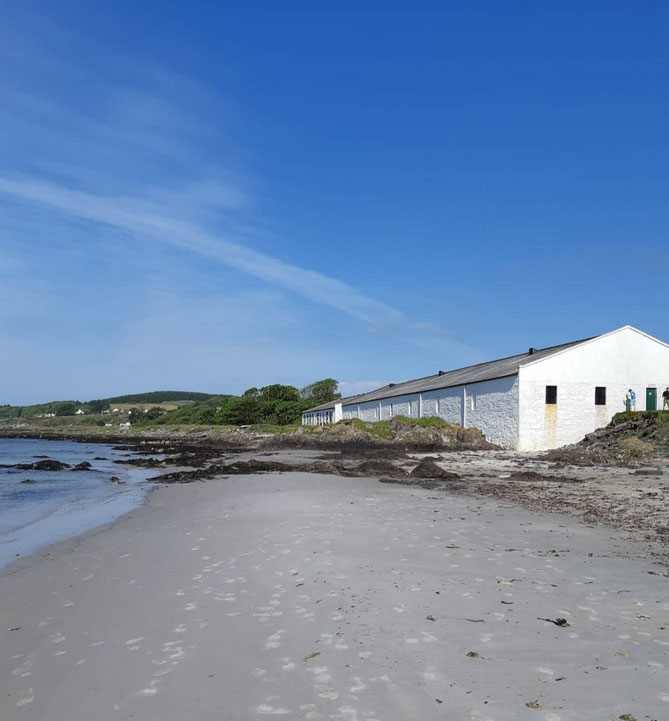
column 67, row 408
column 159, row 397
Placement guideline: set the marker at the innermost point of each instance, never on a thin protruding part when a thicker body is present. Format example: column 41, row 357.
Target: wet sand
column 321, row 597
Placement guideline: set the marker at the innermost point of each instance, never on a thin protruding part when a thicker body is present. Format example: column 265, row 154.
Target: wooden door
column 651, row 399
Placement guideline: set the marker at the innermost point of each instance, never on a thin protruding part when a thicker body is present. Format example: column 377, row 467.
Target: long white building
column 540, row 399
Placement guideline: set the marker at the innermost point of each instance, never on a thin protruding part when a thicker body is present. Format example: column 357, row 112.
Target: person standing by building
column 628, row 400
column 665, row 399
column 632, row 400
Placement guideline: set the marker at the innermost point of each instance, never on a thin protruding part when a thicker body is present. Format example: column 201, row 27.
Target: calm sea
column 61, row 504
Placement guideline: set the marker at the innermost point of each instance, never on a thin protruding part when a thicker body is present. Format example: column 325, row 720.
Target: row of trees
column 274, row 404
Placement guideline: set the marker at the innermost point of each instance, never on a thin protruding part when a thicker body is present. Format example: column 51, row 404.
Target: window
column 600, row 396
column 551, row 395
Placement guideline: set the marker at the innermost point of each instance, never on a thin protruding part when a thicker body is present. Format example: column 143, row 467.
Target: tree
column 323, row 391
column 240, row 412
column 278, row 392
column 66, row 408
column 135, row 415
column 97, row 406
column 153, row 413
column 287, row 412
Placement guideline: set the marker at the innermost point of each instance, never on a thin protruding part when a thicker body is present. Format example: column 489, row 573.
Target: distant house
column 540, row 399
column 79, row 412
column 124, row 425
column 116, row 410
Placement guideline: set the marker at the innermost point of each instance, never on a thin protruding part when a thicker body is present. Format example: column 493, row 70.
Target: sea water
column 60, row 504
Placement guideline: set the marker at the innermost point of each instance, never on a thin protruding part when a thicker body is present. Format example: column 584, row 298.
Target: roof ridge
column 400, row 388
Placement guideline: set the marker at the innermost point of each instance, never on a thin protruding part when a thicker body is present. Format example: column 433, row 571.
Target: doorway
column 651, row 399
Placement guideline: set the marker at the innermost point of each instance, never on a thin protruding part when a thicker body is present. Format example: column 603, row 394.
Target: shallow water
column 61, row 504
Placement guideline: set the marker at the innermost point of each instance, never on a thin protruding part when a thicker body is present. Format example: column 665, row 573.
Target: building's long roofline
column 477, row 373
column 329, row 406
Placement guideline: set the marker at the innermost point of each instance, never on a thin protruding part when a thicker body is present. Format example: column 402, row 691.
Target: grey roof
column 491, row 370
column 329, row 406
column 324, row 407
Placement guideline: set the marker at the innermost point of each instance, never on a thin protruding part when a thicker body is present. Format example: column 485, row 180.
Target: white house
column 540, row 399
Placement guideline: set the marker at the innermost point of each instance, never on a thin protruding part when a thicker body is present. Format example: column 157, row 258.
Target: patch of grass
column 631, row 415
column 425, row 422
column 637, row 448
column 381, row 429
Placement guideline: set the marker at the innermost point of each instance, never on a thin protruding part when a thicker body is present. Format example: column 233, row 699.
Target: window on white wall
column 551, row 395
column 600, row 396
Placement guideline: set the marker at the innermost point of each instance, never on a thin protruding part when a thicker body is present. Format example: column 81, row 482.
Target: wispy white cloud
column 145, row 219
column 114, row 194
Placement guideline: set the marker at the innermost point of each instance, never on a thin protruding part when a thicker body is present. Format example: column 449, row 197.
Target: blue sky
column 210, row 196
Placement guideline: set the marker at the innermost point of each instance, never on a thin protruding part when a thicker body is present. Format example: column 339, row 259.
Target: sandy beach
column 320, row 597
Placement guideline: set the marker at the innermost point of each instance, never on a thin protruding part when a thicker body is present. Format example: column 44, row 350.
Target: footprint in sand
column 27, row 696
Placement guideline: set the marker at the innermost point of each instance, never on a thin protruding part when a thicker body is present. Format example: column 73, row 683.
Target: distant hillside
column 160, row 397
column 68, row 408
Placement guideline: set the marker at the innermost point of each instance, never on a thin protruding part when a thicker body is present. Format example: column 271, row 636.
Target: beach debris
column 627, row 717
column 430, row 618
column 439, row 700
column 624, row 654
column 427, row 468
column 474, row 654
column 376, row 467
column 534, row 477
column 311, row 655
column 14, row 628
column 562, row 622
column 533, row 704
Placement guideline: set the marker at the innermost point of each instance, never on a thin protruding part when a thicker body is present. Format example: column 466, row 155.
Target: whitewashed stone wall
column 369, row 411
column 491, row 406
column 317, row 418
column 617, row 361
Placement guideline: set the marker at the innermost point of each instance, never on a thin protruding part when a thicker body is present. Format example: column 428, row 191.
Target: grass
column 637, row 448
column 381, row 429
column 425, row 422
column 662, row 416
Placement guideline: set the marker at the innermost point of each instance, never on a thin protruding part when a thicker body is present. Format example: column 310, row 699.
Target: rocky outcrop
column 630, row 439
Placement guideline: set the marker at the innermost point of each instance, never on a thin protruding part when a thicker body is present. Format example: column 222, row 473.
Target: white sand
column 210, row 602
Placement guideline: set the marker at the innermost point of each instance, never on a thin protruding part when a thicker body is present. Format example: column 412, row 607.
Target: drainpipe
column 464, row 406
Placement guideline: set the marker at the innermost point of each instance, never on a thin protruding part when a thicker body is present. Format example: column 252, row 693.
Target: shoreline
column 635, row 500
column 64, row 500
column 314, row 596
